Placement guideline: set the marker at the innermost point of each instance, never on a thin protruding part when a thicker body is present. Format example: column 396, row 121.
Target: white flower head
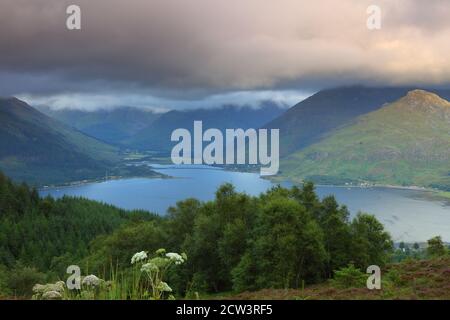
column 175, row 257
column 91, row 281
column 52, row 295
column 39, row 288
column 139, row 256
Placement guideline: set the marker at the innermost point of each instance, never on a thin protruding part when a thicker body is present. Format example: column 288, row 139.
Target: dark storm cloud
column 187, row 49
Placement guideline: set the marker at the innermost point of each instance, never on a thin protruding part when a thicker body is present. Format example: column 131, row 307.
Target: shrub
column 394, row 276
column 21, row 280
column 436, row 247
column 4, row 289
column 349, row 277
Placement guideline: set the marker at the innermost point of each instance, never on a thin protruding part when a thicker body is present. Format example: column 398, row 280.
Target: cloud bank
column 192, row 49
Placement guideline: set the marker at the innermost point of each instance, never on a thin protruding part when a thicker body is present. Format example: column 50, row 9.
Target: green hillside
column 313, row 118
column 38, row 149
column 404, row 143
column 41, row 237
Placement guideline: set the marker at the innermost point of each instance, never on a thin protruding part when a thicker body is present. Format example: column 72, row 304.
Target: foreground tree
column 436, row 247
column 371, row 244
column 219, row 238
column 286, row 248
column 333, row 220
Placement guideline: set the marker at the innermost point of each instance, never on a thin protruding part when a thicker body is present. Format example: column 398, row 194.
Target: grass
column 408, row 280
column 444, row 194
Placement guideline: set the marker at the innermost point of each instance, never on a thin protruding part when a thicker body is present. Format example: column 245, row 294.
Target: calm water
column 408, row 215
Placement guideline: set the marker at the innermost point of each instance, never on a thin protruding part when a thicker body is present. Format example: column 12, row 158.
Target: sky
column 175, row 54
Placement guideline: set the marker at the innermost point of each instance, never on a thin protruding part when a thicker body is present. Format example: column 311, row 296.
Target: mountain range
column 34, row 147
column 315, row 117
column 111, row 126
column 139, row 129
column 406, row 142
column 343, row 135
column 157, row 135
column 48, row 146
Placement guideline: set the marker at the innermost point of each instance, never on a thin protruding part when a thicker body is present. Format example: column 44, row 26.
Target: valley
column 230, row 150
column 351, row 136
column 384, row 165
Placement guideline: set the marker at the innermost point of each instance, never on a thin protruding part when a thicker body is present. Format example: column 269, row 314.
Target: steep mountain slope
column 405, row 143
column 36, row 148
column 310, row 120
column 157, row 135
column 112, row 126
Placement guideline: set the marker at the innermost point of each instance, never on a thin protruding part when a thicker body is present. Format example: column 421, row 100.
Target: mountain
column 313, row 118
column 37, row 149
column 406, row 143
column 157, row 135
column 111, row 126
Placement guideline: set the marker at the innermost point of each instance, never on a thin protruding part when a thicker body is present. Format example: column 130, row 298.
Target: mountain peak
column 4, row 100
column 17, row 107
column 420, row 92
column 11, row 102
column 424, row 98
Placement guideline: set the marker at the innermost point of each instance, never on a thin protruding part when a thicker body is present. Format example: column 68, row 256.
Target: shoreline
column 364, row 185
column 387, row 186
column 437, row 193
column 94, row 181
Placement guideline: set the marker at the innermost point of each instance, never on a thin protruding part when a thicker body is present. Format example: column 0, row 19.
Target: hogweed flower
column 160, row 262
column 155, row 268
column 163, row 286
column 149, row 267
column 139, row 256
column 52, row 295
column 175, row 257
column 91, row 281
column 39, row 288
